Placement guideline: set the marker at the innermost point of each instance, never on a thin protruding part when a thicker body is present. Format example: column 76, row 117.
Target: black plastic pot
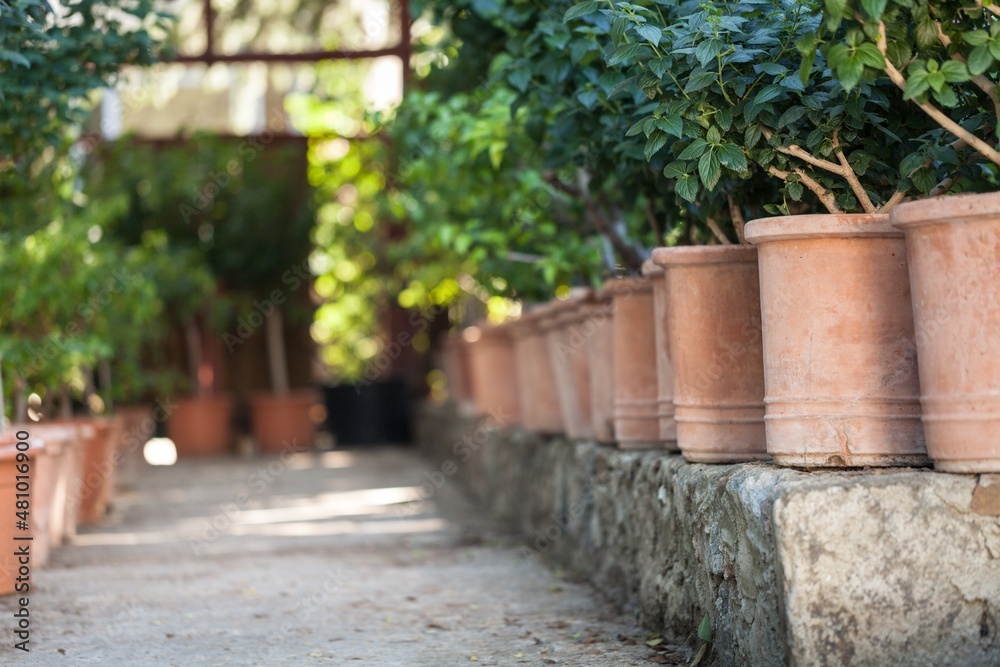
column 369, row 413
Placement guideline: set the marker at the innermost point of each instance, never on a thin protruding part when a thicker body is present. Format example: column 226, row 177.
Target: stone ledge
column 895, row 566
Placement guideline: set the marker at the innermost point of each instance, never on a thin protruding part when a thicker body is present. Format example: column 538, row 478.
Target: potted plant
column 260, row 253
column 729, row 90
column 943, row 57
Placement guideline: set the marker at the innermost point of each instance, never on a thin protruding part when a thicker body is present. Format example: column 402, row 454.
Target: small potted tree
column 944, row 57
column 730, row 89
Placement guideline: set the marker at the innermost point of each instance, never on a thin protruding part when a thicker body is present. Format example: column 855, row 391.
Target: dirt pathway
column 324, row 559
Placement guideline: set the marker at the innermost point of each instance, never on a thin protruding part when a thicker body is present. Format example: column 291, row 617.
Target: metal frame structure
column 209, row 56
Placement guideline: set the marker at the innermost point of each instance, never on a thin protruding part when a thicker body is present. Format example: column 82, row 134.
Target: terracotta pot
column 98, row 472
column 9, row 562
column 637, row 423
column 455, row 363
column 283, row 422
column 537, row 393
column 8, row 471
column 840, row 364
column 75, row 435
column 200, row 426
column 493, row 373
column 598, row 322
column 953, row 247
column 44, row 480
column 567, row 353
column 578, row 331
column 717, row 352
column 664, row 366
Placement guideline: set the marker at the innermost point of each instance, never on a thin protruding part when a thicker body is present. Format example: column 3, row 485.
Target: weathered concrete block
column 894, row 567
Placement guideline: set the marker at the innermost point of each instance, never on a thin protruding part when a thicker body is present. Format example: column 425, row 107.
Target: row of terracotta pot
column 64, row 477
column 801, row 347
column 202, row 425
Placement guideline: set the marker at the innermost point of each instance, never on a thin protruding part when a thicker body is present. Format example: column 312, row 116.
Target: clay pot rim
column 623, row 286
column 821, row 225
column 705, row 254
column 488, row 331
column 651, row 269
column 969, row 207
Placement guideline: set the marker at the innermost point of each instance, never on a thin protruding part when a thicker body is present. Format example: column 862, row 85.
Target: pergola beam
column 209, row 57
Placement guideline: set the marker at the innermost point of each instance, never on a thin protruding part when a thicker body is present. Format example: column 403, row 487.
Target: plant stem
column 717, row 231
column 825, row 196
column 276, row 352
column 896, row 197
column 851, row 177
column 737, row 217
column 939, row 117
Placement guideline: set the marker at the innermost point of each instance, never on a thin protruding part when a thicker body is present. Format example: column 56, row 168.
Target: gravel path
column 323, row 559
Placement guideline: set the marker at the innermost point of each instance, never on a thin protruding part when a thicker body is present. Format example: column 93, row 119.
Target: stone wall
column 896, row 567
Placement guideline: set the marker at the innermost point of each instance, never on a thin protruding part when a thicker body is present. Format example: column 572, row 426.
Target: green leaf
column 588, row 98
column 795, row 191
column 732, row 157
column 768, row 93
column 709, row 169
column 694, row 150
column 936, row 81
column 582, row 9
column 636, row 129
column 671, row 125
column 520, row 78
column 946, row 96
column 774, row 69
column 790, row 116
column 874, row 8
column 713, row 136
column 496, row 151
column 955, row 71
column 675, row 169
column 924, row 180
column 916, row 85
column 926, row 33
column 849, row 72
column 834, row 13
column 910, row 163
column 705, row 627
column 687, row 187
column 980, row 60
column 654, row 144
column 650, row 33
column 976, row 37
column 659, row 66
column 699, row 81
column 625, row 53
column 14, row 57
column 870, row 56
